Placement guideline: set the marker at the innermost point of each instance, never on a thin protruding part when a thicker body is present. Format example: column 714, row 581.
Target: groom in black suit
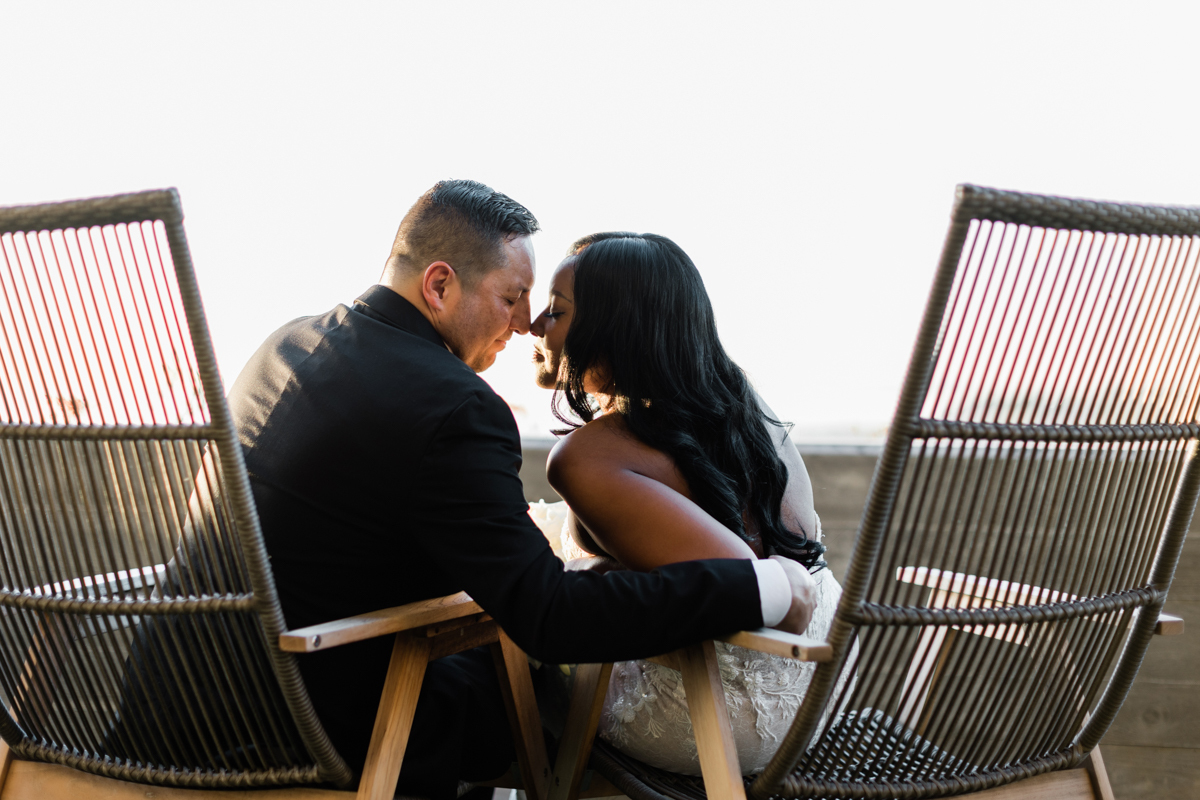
column 385, row 471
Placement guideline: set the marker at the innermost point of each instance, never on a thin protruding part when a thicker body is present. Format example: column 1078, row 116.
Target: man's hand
column 804, row 596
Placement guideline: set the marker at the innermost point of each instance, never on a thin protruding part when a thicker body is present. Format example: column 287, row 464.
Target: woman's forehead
column 562, row 282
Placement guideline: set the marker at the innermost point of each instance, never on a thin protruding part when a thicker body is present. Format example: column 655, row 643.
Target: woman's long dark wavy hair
column 643, row 318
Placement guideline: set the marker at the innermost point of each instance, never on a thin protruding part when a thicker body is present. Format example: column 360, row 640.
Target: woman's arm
column 615, row 485
column 582, row 538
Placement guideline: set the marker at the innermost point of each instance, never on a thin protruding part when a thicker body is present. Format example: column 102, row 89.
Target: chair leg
column 710, row 721
column 393, row 722
column 1099, row 775
column 512, row 667
column 6, row 758
column 583, row 717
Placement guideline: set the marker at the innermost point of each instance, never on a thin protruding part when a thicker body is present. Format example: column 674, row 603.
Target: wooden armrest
column 781, row 643
column 1169, row 625
column 378, row 623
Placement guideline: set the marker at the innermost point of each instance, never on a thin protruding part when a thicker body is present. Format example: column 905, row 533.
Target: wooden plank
column 1069, row 784
column 953, row 588
column 1153, row 773
column 667, row 660
column 393, row 721
column 765, row 640
column 378, row 623
column 6, row 759
column 1005, row 593
column 1173, row 659
column 29, row 780
column 460, row 639
column 710, row 721
column 583, row 717
column 1158, row 715
column 841, row 481
column 454, row 624
column 781, row 643
column 1186, row 585
column 516, row 686
column 533, row 473
column 929, row 661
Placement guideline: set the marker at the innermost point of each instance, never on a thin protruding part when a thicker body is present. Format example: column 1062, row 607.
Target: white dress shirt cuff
column 773, row 590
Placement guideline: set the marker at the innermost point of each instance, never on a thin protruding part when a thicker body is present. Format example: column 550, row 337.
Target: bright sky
column 804, row 154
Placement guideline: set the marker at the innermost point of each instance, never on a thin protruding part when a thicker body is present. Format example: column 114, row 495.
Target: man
column 385, row 471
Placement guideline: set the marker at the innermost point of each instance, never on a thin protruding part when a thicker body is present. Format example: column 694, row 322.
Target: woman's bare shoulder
column 632, row 501
column 606, row 443
column 601, row 441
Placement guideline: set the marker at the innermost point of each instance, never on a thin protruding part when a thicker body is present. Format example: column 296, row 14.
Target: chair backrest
column 1035, row 489
column 139, row 623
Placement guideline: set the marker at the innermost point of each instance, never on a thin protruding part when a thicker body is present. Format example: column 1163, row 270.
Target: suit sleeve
column 475, row 525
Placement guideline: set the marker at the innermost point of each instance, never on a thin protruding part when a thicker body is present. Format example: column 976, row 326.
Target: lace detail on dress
column 645, row 710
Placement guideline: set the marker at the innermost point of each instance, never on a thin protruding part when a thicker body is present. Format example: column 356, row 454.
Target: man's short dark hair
column 463, row 223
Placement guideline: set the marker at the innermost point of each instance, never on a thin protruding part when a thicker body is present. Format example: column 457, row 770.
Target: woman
column 674, row 458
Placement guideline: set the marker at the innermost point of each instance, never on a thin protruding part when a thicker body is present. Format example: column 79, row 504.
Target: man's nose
column 520, row 319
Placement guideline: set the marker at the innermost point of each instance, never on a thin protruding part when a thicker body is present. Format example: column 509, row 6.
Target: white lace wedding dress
column 645, row 712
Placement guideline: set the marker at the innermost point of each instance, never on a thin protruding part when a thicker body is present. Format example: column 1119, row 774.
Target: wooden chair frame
column 957, row 603
column 701, row 674
column 51, row 359
column 424, row 631
column 705, row 694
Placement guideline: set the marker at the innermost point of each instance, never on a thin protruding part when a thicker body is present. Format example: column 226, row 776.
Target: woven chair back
column 1028, row 510
column 139, row 623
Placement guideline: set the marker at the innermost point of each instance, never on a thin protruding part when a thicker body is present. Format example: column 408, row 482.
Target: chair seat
column 642, row 781
column 868, row 745
column 873, row 737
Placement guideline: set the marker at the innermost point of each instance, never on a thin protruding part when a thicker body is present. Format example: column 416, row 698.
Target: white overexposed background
column 805, row 155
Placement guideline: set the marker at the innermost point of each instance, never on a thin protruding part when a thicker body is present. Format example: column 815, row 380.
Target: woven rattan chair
column 141, row 638
column 1021, row 531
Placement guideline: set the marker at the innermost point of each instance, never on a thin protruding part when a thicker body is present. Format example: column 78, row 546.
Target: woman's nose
column 538, row 326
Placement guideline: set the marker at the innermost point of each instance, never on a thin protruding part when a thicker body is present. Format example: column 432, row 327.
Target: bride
column 673, row 457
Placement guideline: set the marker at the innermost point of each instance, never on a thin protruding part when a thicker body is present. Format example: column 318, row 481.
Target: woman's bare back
column 631, row 501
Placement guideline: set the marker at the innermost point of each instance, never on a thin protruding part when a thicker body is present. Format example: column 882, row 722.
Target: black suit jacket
column 385, row 471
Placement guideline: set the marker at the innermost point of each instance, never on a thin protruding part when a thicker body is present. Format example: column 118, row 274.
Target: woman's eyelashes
column 548, row 314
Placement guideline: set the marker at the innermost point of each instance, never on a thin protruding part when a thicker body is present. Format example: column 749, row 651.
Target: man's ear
column 439, row 285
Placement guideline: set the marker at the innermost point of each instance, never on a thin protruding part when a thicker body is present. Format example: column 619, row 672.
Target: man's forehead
column 515, row 275
column 520, row 248
column 520, row 269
